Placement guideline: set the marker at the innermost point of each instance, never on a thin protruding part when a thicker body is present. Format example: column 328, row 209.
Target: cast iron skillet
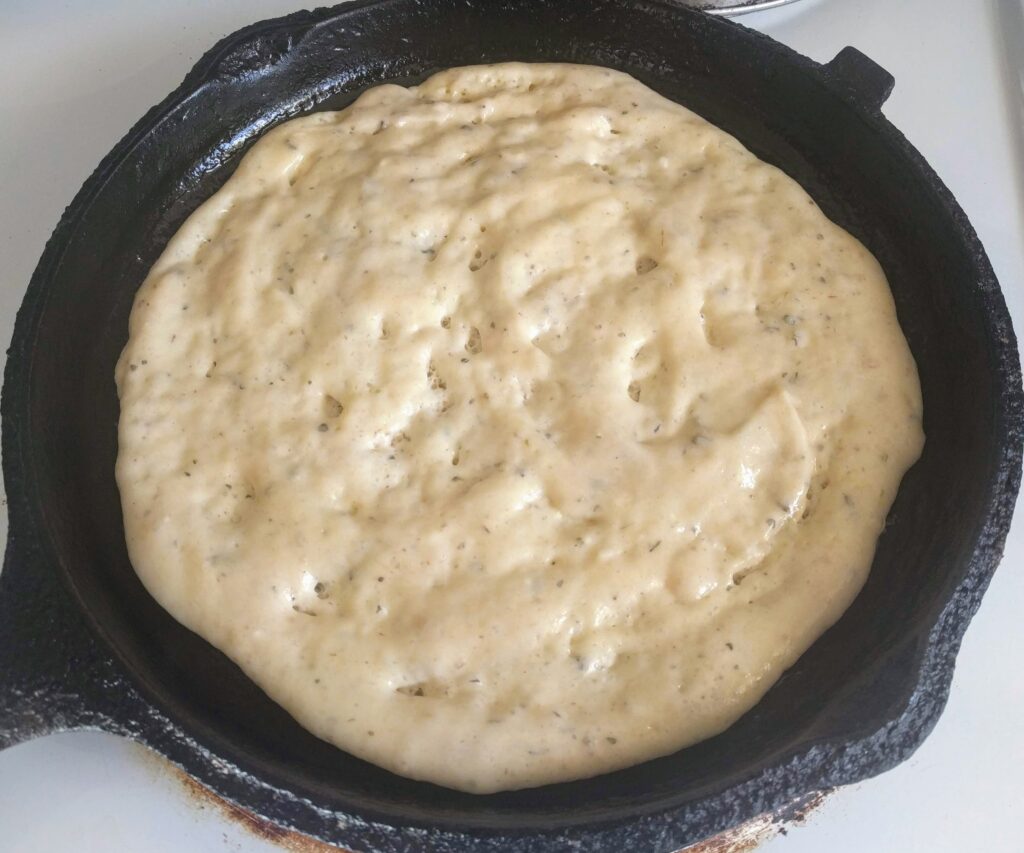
column 83, row 646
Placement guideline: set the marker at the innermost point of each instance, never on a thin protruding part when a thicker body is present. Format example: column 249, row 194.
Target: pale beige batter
column 512, row 428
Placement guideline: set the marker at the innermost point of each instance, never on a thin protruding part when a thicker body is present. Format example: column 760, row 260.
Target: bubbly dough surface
column 512, row 428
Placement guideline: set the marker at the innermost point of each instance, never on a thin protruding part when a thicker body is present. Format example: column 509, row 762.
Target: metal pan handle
column 53, row 675
column 729, row 8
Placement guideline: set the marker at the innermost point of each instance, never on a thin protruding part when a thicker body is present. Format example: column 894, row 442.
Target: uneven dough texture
column 511, row 428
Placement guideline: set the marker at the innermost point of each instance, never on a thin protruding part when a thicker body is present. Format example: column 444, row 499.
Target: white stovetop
column 75, row 74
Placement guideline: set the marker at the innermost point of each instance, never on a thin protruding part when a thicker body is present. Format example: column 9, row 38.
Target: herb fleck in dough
column 512, row 428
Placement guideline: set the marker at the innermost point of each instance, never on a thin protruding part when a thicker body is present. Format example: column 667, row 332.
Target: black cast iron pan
column 83, row 646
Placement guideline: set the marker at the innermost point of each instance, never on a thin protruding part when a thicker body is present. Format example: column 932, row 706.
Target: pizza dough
column 512, row 428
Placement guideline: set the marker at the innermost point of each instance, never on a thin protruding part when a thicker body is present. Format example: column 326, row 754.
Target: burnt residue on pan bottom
column 286, row 839
column 750, row 835
column 202, row 798
column 741, row 839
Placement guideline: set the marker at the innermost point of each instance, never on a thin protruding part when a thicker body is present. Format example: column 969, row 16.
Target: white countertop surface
column 75, row 75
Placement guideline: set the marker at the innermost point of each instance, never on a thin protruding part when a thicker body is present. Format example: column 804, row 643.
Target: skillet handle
column 859, row 79
column 53, row 674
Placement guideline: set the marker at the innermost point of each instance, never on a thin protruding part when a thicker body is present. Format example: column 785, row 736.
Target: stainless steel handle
column 730, row 8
